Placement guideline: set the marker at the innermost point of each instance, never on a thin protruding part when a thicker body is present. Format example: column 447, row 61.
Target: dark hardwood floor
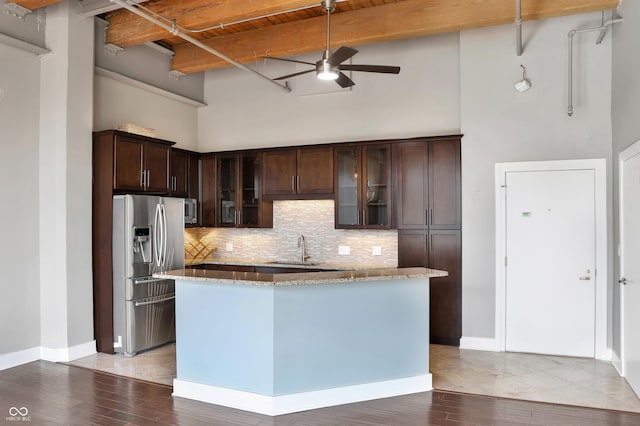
column 56, row 394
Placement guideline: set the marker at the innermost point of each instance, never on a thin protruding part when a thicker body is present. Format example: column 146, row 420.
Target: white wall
column 117, row 103
column 499, row 125
column 19, row 257
column 248, row 112
column 65, row 182
column 624, row 115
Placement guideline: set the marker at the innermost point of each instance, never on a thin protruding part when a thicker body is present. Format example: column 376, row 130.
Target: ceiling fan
column 331, row 65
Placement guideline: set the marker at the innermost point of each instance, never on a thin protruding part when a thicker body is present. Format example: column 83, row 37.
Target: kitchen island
column 288, row 342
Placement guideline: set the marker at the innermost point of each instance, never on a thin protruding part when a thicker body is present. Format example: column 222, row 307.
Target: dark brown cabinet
column 141, row 164
column 363, row 186
column 208, row 200
column 428, row 185
column 239, row 198
column 179, row 175
column 428, row 217
column 298, row 173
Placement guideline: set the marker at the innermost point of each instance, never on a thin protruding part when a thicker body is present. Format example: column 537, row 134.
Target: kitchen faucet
column 303, row 248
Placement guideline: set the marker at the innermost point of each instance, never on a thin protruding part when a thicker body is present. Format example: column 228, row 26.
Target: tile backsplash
column 312, row 218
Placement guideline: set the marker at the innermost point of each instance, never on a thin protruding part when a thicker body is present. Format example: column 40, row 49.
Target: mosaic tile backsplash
column 312, row 218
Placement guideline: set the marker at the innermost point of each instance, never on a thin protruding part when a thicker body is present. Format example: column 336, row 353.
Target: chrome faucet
column 303, row 248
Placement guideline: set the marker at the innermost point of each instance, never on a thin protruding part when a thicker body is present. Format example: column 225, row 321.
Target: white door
column 550, row 258
column 630, row 265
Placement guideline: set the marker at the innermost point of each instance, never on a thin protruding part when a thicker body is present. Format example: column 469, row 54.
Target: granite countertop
column 302, row 278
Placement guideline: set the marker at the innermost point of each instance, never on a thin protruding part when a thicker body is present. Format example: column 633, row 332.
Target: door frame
column 599, row 166
column 631, row 151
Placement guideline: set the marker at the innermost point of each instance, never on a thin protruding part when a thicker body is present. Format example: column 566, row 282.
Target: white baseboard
column 285, row 404
column 479, row 344
column 13, row 359
column 617, row 363
column 68, row 354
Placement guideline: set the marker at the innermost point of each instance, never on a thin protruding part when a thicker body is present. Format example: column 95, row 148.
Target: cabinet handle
column 430, row 217
column 298, row 183
column 293, row 183
column 148, row 178
column 430, row 243
column 358, row 218
column 142, row 175
column 364, row 217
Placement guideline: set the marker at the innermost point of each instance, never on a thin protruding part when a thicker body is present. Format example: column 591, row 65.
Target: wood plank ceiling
column 244, row 29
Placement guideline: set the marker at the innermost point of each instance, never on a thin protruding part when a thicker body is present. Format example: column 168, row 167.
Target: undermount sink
column 292, row 263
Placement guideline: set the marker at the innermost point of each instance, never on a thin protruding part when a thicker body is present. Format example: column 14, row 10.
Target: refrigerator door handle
column 164, row 237
column 157, row 240
column 148, row 281
column 153, row 302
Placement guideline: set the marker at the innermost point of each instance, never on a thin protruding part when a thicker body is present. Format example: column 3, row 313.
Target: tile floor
column 561, row 380
column 156, row 365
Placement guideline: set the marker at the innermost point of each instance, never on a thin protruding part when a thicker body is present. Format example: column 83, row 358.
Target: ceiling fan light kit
column 331, row 65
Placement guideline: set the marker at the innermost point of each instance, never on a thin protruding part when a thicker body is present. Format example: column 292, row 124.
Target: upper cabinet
column 427, row 193
column 298, row 173
column 179, row 173
column 239, row 197
column 363, row 179
column 139, row 163
column 208, row 201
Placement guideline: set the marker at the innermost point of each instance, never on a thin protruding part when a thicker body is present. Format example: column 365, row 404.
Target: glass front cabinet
column 363, row 181
column 238, row 190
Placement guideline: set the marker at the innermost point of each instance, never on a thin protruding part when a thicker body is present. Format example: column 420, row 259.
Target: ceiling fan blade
column 371, row 68
column 295, row 74
column 344, row 81
column 289, row 60
column 341, row 55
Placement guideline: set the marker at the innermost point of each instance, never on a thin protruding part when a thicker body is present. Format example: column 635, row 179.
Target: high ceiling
column 244, row 29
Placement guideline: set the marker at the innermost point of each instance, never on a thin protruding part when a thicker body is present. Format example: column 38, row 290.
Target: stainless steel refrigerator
column 148, row 237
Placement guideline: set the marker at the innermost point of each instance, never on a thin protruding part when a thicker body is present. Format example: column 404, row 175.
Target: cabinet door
column 279, row 172
column 376, row 195
column 315, row 170
column 444, row 185
column 179, row 181
column 412, row 196
column 347, row 178
column 128, row 164
column 412, row 249
column 446, row 292
column 156, row 163
column 208, row 165
column 227, row 186
column 194, row 177
column 249, row 213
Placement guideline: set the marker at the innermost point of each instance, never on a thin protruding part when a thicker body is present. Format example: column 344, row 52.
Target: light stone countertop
column 302, row 278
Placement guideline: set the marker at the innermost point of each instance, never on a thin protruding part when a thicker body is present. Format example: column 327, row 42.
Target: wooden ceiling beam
column 404, row 19
column 34, row 4
column 127, row 29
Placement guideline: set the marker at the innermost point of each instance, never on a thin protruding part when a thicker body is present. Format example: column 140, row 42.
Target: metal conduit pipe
column 195, row 42
column 603, row 30
column 519, row 27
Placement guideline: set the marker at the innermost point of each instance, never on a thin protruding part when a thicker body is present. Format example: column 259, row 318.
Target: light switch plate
column 229, row 247
column 344, row 250
column 376, row 251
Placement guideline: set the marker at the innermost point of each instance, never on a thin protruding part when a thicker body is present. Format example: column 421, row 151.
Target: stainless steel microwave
column 190, row 211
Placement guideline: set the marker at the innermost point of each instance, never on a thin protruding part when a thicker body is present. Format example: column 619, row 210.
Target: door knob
column 623, row 281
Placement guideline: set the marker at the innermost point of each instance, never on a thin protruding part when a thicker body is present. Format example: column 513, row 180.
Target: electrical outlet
column 376, row 251
column 344, row 250
column 229, row 246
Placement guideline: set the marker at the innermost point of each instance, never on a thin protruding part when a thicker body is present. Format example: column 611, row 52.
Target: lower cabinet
column 438, row 249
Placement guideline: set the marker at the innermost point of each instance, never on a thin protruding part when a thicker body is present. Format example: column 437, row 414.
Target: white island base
column 282, row 347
